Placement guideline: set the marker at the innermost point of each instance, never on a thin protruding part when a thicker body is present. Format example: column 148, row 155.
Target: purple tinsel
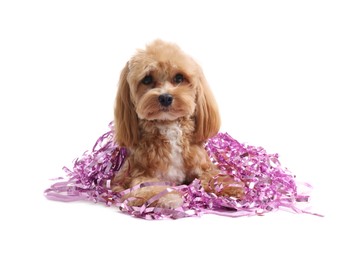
column 268, row 186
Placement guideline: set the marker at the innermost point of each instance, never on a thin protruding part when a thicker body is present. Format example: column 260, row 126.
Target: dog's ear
column 207, row 114
column 126, row 121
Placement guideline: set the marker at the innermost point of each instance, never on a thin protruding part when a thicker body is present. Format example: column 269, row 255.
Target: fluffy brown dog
column 164, row 113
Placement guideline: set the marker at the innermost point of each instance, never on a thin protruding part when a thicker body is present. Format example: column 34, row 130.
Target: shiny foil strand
column 267, row 185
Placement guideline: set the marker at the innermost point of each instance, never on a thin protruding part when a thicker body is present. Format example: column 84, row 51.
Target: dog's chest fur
column 173, row 134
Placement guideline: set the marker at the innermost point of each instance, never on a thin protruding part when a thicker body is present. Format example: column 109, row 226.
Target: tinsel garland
column 268, row 185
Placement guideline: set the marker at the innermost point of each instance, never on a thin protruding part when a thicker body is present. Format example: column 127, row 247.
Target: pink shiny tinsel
column 269, row 186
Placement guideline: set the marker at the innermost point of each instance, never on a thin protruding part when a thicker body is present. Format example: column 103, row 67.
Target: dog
column 164, row 114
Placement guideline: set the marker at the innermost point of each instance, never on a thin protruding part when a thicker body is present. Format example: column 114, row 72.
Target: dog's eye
column 179, row 78
column 147, row 80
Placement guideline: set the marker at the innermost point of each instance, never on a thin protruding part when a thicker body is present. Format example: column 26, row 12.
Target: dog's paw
column 229, row 188
column 232, row 190
column 170, row 201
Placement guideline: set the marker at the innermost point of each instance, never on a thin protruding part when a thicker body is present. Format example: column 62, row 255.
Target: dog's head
column 163, row 83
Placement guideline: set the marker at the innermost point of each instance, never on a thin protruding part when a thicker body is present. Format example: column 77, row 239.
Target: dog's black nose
column 165, row 99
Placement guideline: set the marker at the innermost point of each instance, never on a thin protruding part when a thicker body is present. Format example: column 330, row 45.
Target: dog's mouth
column 165, row 113
column 164, row 109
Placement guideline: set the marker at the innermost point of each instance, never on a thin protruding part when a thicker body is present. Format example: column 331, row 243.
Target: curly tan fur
column 165, row 141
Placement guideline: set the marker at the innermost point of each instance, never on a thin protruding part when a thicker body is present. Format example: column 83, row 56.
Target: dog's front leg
column 153, row 192
column 221, row 184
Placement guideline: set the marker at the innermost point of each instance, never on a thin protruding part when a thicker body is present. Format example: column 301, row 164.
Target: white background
column 282, row 73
